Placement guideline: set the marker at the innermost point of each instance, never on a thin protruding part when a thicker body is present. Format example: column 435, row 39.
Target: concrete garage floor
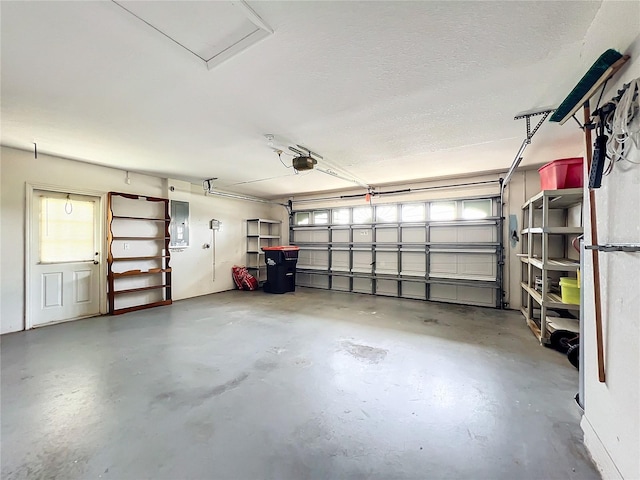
column 312, row 384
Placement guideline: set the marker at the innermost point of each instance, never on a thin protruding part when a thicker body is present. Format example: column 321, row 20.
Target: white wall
column 193, row 271
column 192, row 268
column 611, row 421
column 524, row 184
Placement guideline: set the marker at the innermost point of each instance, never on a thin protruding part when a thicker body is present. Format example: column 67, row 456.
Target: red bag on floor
column 243, row 279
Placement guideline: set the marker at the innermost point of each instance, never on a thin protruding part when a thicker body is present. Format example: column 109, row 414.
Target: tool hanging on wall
column 599, row 158
column 619, row 121
column 596, row 77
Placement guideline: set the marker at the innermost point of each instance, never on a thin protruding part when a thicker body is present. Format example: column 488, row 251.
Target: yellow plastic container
column 570, row 290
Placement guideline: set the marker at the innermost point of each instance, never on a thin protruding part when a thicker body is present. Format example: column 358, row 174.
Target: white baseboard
column 598, row 452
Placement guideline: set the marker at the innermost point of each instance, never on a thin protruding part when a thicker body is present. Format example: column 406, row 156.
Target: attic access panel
column 211, row 31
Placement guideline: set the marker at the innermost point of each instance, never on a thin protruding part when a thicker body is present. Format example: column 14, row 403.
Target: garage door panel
column 312, row 280
column 443, row 234
column 477, row 296
column 304, row 258
column 477, row 265
column 414, row 234
column 319, row 259
column 340, row 283
column 300, row 236
column 309, row 258
column 361, row 261
column 303, row 279
column 311, row 236
column 413, row 290
column 470, row 266
column 388, row 288
column 340, row 235
column 443, row 263
column 319, row 236
column 463, row 234
column 414, row 263
column 386, row 262
column 362, row 285
column 362, row 235
column 387, row 235
column 340, row 260
column 435, row 255
column 481, row 296
column 478, row 233
column 319, row 281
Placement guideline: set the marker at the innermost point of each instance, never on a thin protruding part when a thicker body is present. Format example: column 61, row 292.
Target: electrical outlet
column 125, row 246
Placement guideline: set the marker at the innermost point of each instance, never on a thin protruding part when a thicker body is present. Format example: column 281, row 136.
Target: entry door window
column 67, row 230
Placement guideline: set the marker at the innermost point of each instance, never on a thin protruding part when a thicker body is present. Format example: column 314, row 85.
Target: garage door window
column 476, row 209
column 302, row 218
column 443, row 211
column 413, row 212
column 341, row 216
column 386, row 213
column 362, row 215
column 321, row 217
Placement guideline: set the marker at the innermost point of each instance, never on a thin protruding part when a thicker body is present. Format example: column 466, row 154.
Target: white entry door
column 64, row 257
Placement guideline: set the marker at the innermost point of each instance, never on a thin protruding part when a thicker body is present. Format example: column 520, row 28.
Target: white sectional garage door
column 442, row 251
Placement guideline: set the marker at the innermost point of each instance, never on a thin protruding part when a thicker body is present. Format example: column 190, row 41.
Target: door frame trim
column 102, row 268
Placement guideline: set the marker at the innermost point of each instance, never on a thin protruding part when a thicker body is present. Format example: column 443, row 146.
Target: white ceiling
column 388, row 91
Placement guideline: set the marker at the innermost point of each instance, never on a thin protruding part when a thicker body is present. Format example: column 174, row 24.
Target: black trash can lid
column 282, row 248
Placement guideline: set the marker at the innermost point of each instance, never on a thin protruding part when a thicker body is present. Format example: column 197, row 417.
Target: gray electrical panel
column 179, row 226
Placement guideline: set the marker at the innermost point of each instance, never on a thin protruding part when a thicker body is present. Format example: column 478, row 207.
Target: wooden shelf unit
column 548, row 226
column 261, row 233
column 138, row 224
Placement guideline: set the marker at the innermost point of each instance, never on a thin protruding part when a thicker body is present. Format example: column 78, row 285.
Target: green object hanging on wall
column 595, row 76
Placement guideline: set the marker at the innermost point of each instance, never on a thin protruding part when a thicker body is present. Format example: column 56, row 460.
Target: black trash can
column 281, row 268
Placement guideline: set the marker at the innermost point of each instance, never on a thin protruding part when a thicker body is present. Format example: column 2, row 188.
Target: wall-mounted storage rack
column 138, row 271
